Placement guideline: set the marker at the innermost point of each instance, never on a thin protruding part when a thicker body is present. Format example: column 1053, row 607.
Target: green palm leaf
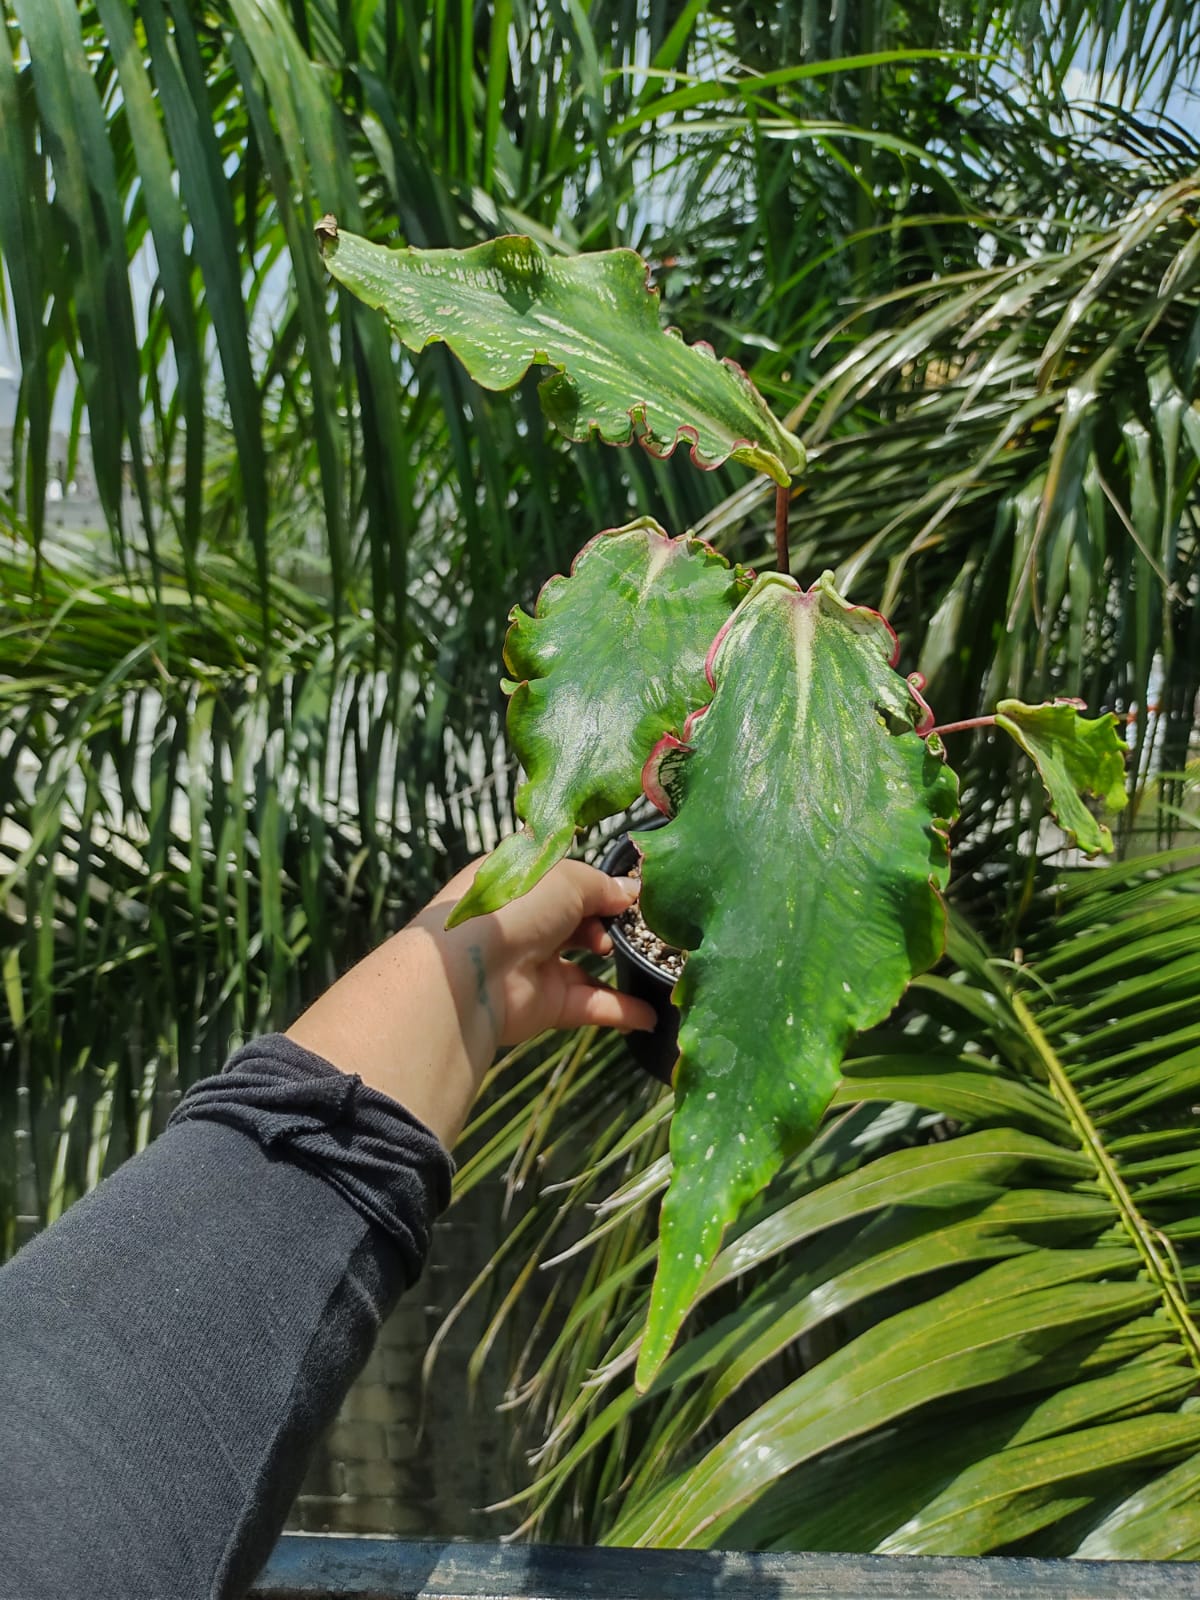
column 217, row 783
column 975, row 1345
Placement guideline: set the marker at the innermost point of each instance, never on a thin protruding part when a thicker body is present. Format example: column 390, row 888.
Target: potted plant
column 804, row 777
column 646, row 966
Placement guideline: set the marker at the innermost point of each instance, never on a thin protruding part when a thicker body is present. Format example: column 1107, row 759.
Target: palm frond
column 191, row 847
column 964, row 1321
column 1029, row 429
column 243, row 731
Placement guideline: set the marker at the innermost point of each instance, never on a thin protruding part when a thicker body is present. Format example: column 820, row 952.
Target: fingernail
column 631, row 886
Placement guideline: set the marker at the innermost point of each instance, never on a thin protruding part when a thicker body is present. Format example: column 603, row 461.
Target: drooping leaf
column 1009, row 1495
column 612, row 658
column 802, row 869
column 507, row 305
column 1075, row 756
column 1002, row 1321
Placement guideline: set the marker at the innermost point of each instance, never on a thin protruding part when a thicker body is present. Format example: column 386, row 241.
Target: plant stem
column 961, row 727
column 781, row 529
column 1110, row 1180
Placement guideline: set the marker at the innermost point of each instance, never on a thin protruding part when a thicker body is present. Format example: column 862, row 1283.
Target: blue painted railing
column 392, row 1569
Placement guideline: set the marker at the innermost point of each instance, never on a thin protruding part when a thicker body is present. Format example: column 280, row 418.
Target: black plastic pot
column 656, row 1052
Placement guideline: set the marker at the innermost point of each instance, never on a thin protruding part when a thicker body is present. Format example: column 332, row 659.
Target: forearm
column 416, row 1019
column 174, row 1346
column 421, row 1018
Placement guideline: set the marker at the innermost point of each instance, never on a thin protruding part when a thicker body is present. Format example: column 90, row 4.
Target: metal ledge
column 390, row 1569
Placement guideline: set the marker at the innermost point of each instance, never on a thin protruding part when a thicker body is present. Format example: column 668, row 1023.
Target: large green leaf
column 999, row 1323
column 584, row 720
column 507, row 305
column 1075, row 756
column 802, row 869
column 1006, row 1168
column 1010, row 1495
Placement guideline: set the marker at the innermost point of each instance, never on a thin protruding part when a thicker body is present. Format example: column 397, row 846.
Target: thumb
column 601, row 895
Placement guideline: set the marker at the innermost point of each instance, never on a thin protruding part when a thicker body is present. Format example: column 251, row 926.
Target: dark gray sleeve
column 172, row 1348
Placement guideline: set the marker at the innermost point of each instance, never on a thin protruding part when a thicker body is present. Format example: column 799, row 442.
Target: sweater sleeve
column 173, row 1347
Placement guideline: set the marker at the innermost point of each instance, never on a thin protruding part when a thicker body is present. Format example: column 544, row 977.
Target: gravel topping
column 664, row 956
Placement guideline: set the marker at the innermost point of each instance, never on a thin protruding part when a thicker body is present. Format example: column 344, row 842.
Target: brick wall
column 374, row 1473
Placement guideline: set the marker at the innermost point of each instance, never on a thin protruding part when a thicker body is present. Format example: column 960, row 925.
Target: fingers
column 588, row 1004
column 569, row 896
column 591, row 934
column 599, row 894
column 596, row 893
column 564, row 909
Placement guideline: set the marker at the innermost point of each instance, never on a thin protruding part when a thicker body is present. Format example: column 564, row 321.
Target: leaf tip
column 650, row 1359
column 463, row 911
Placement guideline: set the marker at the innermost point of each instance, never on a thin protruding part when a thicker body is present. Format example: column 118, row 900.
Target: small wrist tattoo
column 481, row 986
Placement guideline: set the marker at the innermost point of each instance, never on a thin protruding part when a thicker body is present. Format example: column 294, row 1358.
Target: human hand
column 521, row 978
column 422, row 1016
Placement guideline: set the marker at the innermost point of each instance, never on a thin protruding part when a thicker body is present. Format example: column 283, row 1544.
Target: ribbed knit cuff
column 379, row 1157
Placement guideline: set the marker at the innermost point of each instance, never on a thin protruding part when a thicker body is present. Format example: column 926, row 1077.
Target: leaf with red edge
column 1075, row 756
column 801, row 869
column 507, row 305
column 611, row 658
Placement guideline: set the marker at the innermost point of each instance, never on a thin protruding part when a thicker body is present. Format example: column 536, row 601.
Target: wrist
column 416, row 1019
column 459, row 968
